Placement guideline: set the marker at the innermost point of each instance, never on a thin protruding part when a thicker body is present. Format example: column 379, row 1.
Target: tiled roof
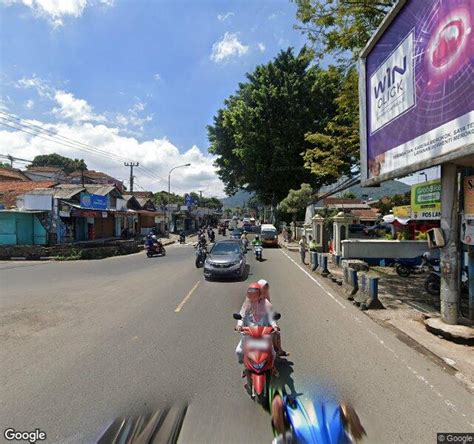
column 13, row 174
column 371, row 214
column 10, row 190
column 45, row 169
column 341, row 200
column 90, row 173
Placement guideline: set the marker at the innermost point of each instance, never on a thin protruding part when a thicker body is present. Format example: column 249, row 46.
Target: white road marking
column 450, row 405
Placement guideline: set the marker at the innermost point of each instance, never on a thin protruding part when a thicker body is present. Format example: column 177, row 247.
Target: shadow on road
column 285, row 382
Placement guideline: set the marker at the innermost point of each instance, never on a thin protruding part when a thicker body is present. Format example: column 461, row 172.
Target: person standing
column 303, row 248
column 284, row 232
column 313, row 246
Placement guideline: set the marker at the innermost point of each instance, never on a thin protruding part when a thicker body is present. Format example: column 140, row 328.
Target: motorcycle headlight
column 259, row 366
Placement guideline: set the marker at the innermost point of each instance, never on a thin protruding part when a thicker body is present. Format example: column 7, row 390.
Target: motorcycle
column 201, row 253
column 259, row 358
column 182, row 239
column 258, row 251
column 433, row 281
column 157, row 249
column 416, row 265
column 245, row 244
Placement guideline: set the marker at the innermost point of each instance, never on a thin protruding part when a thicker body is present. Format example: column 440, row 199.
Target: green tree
column 56, row 160
column 259, row 135
column 349, row 195
column 165, row 198
column 297, row 200
column 340, row 28
column 4, row 165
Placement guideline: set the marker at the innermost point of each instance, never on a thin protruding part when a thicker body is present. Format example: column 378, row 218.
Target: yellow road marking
column 180, row 306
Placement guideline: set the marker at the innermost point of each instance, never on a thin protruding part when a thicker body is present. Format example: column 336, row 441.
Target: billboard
column 426, row 200
column 415, row 89
column 93, row 201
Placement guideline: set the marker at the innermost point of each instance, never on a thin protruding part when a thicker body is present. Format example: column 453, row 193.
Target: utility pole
column 131, row 165
column 450, row 255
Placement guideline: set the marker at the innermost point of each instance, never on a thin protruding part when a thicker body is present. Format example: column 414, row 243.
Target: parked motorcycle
column 416, row 265
column 433, row 281
column 156, row 249
column 258, row 251
column 259, row 358
column 201, row 254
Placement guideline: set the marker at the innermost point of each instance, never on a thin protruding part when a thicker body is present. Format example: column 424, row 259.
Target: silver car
column 225, row 259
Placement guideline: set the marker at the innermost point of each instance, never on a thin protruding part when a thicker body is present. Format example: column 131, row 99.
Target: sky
column 139, row 79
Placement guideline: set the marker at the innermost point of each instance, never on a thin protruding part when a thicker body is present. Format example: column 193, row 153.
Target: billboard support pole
column 449, row 257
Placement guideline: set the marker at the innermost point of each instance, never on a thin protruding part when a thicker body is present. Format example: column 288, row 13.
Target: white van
column 269, row 235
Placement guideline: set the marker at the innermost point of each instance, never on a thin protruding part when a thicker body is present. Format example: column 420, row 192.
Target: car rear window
column 225, row 248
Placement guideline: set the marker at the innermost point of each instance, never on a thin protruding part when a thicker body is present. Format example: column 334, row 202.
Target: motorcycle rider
column 265, row 286
column 244, row 239
column 256, row 310
column 182, row 237
column 257, row 241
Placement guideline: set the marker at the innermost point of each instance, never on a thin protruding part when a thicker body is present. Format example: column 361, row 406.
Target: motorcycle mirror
column 277, row 316
column 237, row 316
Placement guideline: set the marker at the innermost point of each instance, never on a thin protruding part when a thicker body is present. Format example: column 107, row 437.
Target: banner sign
column 426, row 200
column 467, row 231
column 469, row 197
column 416, row 94
column 403, row 211
column 93, row 201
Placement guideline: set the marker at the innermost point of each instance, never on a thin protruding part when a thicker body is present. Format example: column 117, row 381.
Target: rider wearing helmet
column 256, row 310
column 257, row 241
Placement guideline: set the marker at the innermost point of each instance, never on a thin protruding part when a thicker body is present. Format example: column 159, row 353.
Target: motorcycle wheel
column 149, row 255
column 403, row 270
column 199, row 263
column 433, row 286
column 163, row 252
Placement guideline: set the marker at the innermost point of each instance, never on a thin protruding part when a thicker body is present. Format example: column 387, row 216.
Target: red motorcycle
column 259, row 358
column 156, row 249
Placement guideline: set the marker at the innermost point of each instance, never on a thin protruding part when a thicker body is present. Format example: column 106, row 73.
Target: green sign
column 426, row 200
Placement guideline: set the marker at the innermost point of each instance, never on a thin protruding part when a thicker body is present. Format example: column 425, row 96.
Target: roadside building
column 12, row 175
column 91, row 177
column 42, row 173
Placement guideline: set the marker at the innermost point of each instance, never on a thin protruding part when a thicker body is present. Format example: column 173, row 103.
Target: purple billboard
column 417, row 88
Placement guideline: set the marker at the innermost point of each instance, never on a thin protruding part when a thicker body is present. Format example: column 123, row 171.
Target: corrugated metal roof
column 100, row 190
column 67, row 191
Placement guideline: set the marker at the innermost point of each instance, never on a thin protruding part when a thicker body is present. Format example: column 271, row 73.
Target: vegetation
column 386, row 204
column 4, row 165
column 56, row 160
column 297, row 200
column 259, row 135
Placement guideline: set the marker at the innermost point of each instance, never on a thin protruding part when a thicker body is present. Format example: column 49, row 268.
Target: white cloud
column 55, row 11
column 156, row 155
column 273, row 16
column 157, row 77
column 76, row 110
column 29, row 104
column 261, row 47
column 43, row 88
column 228, row 46
column 224, row 17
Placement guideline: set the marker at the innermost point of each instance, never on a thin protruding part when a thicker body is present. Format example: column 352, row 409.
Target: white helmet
column 154, row 237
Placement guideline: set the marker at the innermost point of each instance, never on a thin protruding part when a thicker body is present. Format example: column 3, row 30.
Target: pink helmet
column 253, row 291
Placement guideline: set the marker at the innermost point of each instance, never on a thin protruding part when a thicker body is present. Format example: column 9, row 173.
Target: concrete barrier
column 314, row 260
column 367, row 297
column 322, row 264
column 350, row 283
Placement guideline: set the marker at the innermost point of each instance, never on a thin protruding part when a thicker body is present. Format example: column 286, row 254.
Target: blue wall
column 21, row 229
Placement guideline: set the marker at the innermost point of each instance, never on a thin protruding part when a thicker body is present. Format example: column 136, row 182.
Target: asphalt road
column 84, row 342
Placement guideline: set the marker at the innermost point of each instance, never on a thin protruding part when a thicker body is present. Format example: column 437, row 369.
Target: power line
column 38, row 131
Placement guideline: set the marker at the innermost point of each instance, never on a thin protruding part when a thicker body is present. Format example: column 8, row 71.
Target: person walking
column 284, row 232
column 303, row 248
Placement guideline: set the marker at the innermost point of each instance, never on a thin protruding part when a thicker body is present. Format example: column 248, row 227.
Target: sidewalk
column 405, row 316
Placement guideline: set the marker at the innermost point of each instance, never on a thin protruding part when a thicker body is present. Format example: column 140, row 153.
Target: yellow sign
column 426, row 200
column 469, row 197
column 403, row 211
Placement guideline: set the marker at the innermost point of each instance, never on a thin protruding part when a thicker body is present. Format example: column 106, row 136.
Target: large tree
column 259, row 136
column 297, row 200
column 340, row 28
column 67, row 164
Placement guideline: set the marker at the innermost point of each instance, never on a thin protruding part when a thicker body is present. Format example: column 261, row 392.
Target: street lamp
column 169, row 184
column 426, row 176
column 169, row 175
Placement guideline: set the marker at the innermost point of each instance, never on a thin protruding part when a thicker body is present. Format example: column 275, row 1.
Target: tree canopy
column 56, row 160
column 340, row 28
column 297, row 200
column 259, row 136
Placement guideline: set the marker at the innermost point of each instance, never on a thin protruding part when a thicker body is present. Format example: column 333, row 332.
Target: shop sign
column 467, row 231
column 403, row 211
column 426, row 200
column 469, row 197
column 93, row 201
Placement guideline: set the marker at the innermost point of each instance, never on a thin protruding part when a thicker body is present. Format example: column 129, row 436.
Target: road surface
column 84, row 342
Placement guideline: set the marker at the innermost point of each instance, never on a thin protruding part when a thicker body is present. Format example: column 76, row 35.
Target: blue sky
column 149, row 70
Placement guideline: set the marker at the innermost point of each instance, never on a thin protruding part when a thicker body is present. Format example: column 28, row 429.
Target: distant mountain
column 389, row 188
column 237, row 200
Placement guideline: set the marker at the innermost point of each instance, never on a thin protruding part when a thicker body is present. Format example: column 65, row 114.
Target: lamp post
column 169, row 182
column 426, row 176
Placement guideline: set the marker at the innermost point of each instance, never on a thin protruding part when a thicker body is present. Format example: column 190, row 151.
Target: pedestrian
column 284, row 232
column 312, row 244
column 303, row 247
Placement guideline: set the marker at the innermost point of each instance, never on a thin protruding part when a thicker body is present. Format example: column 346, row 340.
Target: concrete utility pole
column 131, row 165
column 449, row 258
